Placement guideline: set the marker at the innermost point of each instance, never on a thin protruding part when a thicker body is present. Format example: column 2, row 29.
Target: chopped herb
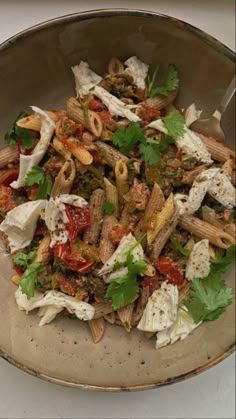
column 174, row 122
column 23, row 259
column 205, row 208
column 178, row 247
column 108, row 208
column 151, row 90
column 28, row 281
column 15, row 133
column 126, row 137
column 37, row 175
column 171, row 82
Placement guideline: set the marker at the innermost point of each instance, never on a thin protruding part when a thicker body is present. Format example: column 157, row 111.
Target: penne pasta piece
column 59, row 147
column 211, row 218
column 121, row 173
column 16, row 279
column 43, row 251
column 83, row 155
column 141, row 304
column 8, row 155
column 91, row 121
column 230, row 229
column 149, row 335
column 112, row 195
column 106, row 247
column 97, row 328
column 33, row 121
column 218, row 151
column 228, row 168
column 161, row 218
column 91, row 234
column 125, row 316
column 125, row 216
column 110, row 318
column 64, row 180
column 205, row 230
column 163, row 236
column 183, row 294
column 115, row 66
column 233, row 179
column 150, row 270
column 109, row 154
column 160, row 102
column 102, row 309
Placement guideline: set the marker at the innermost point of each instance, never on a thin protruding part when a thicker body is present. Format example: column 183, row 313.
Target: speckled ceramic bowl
column 35, row 69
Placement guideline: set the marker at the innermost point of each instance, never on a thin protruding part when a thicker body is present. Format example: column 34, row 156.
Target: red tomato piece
column 150, row 113
column 95, row 105
column 73, row 260
column 179, row 155
column 67, row 285
column 105, row 117
column 79, row 219
column 151, row 282
column 7, row 176
column 117, row 233
column 6, row 201
column 170, row 269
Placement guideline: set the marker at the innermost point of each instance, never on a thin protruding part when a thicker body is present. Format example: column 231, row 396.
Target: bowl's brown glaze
column 35, row 69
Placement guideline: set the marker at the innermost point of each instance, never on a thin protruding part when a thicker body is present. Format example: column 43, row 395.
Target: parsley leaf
column 15, row 133
column 37, row 175
column 28, row 281
column 126, row 137
column 171, row 82
column 23, row 259
column 108, row 208
column 174, row 122
column 176, row 245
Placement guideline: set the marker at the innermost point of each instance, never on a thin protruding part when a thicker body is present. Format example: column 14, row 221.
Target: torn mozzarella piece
column 127, row 243
column 20, row 223
column 161, row 310
column 85, row 79
column 188, row 204
column 138, row 70
column 198, row 265
column 182, row 327
column 51, row 303
column 222, row 190
column 115, row 105
column 158, row 125
column 191, row 114
column 191, row 143
column 27, row 162
column 56, row 218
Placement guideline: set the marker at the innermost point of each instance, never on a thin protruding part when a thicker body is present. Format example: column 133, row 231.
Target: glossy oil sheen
column 35, row 70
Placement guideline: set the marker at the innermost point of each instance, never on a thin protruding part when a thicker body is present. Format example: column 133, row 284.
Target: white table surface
column 209, row 395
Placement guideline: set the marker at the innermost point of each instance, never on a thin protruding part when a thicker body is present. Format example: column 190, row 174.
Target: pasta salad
column 114, row 210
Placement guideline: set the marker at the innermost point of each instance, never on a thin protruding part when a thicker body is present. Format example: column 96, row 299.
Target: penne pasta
column 106, row 247
column 91, row 234
column 112, row 195
column 110, row 318
column 102, row 309
column 125, row 316
column 16, row 279
column 183, row 294
column 43, row 251
column 8, row 155
column 121, row 173
column 92, row 121
column 141, row 304
column 109, row 154
column 83, row 155
column 161, row 218
column 160, row 102
column 204, row 230
column 115, row 66
column 228, row 168
column 33, row 122
column 64, row 180
column 97, row 328
column 218, row 151
column 61, row 149
column 233, row 179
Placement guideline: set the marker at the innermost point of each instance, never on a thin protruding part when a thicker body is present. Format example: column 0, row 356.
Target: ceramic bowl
column 35, row 69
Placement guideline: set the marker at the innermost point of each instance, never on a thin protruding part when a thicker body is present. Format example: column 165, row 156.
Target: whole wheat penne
column 219, row 151
column 102, row 309
column 34, row 121
column 141, row 304
column 228, row 168
column 112, row 195
column 125, row 216
column 97, row 328
column 205, row 230
column 64, row 179
column 183, row 294
column 163, row 236
column 83, row 155
column 8, row 155
column 160, row 102
column 43, row 251
column 233, row 179
column 161, row 218
column 106, row 247
column 230, row 229
column 211, row 218
column 125, row 316
column 91, row 121
column 96, row 202
column 121, row 173
column 115, row 66
column 109, row 154
column 60, row 148
column 149, row 335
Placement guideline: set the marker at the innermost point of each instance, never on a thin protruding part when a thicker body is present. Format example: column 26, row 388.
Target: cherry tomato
column 7, row 176
column 170, row 269
column 79, row 219
column 95, row 105
column 73, row 260
column 105, row 117
column 67, row 285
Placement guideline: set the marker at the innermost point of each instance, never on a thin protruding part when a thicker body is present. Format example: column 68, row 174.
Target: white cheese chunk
column 56, row 299
column 85, row 79
column 198, row 265
column 191, row 114
column 161, row 310
column 138, row 70
column 27, row 162
column 56, row 218
column 223, row 191
column 20, row 223
column 182, row 327
column 127, row 243
column 191, row 143
column 158, row 125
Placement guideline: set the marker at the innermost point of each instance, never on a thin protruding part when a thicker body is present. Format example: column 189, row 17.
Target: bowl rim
column 216, row 45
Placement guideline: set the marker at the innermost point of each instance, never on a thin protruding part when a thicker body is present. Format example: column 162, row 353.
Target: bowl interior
column 35, row 70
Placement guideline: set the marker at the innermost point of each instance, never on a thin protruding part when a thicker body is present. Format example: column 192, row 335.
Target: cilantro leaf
column 135, row 267
column 44, row 190
column 122, row 291
column 178, row 247
column 108, row 207
column 28, row 281
column 165, row 142
column 126, row 137
column 150, row 153
column 223, row 262
column 171, row 82
column 174, row 122
column 36, row 175
column 23, row 259
column 15, row 133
